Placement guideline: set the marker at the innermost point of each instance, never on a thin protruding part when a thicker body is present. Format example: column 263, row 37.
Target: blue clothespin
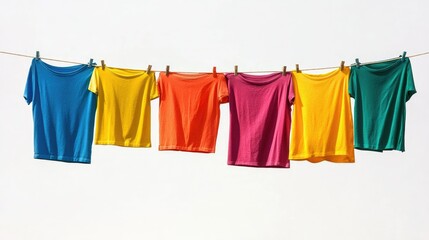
column 37, row 55
column 357, row 62
column 403, row 56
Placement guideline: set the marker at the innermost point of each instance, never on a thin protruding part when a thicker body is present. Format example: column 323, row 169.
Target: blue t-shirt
column 63, row 111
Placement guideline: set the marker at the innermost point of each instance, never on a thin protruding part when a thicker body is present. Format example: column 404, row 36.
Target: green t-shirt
column 380, row 91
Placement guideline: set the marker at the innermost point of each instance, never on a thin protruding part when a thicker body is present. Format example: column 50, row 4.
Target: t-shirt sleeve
column 154, row 93
column 223, row 94
column 352, row 83
column 29, row 86
column 410, row 88
column 93, row 83
column 291, row 91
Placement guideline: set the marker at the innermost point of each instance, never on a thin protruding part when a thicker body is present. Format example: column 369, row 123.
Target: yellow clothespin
column 149, row 67
column 236, row 70
column 297, row 68
column 103, row 65
column 342, row 65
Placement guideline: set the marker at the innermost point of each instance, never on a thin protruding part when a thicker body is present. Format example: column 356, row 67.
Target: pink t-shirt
column 260, row 119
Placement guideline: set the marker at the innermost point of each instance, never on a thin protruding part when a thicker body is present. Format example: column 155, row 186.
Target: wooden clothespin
column 357, row 62
column 214, row 72
column 297, row 68
column 103, row 65
column 403, row 56
column 91, row 62
column 236, row 70
column 149, row 67
column 37, row 55
column 167, row 70
column 284, row 71
column 342, row 65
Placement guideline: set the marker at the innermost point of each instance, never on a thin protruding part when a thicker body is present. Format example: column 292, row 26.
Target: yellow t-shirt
column 123, row 106
column 322, row 127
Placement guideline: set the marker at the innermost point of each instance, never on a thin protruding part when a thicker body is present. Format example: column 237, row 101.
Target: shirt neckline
column 382, row 66
column 62, row 70
column 322, row 76
column 260, row 79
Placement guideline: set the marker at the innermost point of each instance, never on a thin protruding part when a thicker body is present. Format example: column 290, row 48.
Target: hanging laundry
column 380, row 91
column 63, row 111
column 189, row 110
column 123, row 109
column 260, row 118
column 322, row 127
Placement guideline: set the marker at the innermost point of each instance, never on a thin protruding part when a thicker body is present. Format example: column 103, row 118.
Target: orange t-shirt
column 189, row 110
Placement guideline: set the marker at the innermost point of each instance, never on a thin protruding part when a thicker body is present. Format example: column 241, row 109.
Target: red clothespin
column 236, row 70
column 284, row 71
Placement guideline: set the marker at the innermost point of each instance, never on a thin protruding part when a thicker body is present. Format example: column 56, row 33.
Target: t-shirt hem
column 256, row 165
column 317, row 157
column 62, row 158
column 187, row 149
column 378, row 148
column 122, row 144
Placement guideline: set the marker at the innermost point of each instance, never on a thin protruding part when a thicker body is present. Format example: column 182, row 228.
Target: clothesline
column 262, row 71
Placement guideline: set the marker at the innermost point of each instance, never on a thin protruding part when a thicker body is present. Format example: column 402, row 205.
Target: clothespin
column 91, row 62
column 149, row 67
column 103, row 65
column 403, row 56
column 37, row 55
column 167, row 70
column 214, row 72
column 284, row 71
column 297, row 68
column 236, row 70
column 357, row 62
column 342, row 65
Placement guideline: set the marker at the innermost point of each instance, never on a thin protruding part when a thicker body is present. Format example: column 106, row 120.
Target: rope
column 263, row 71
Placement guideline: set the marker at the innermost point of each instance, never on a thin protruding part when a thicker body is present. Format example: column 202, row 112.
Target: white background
column 129, row 193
